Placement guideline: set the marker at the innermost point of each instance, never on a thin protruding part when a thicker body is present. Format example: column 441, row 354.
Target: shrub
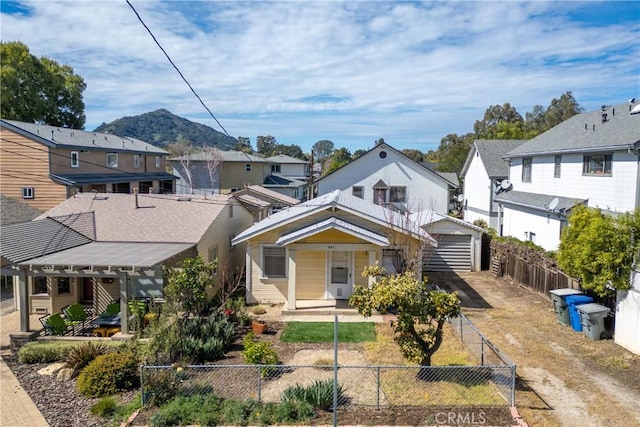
column 35, row 352
column 199, row 409
column 80, row 356
column 161, row 386
column 104, row 408
column 291, row 411
column 258, row 352
column 109, row 374
column 319, row 394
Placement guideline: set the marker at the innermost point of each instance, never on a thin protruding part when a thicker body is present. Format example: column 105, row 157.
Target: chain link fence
column 376, row 386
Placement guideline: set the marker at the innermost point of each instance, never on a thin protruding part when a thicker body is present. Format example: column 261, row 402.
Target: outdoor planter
column 258, row 327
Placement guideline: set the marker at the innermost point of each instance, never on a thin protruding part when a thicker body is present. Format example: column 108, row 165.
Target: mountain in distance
column 161, row 128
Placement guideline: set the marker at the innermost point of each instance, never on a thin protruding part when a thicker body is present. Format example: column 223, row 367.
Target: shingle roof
column 13, row 211
column 338, row 199
column 26, row 240
column 586, row 132
column 282, row 181
column 74, row 138
column 491, row 152
column 220, row 155
column 269, row 194
column 158, row 218
column 537, row 201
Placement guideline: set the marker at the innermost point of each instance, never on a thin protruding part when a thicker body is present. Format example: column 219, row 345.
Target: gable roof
column 333, row 223
column 340, row 200
column 13, row 211
column 491, row 152
column 222, row 156
column 282, row 181
column 586, row 132
column 386, row 146
column 53, row 136
column 157, row 217
column 428, row 218
column 283, row 158
column 31, row 239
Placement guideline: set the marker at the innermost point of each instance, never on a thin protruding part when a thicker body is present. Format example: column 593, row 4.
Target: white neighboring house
column 291, row 167
column 385, row 176
column 592, row 158
column 627, row 328
column 485, row 174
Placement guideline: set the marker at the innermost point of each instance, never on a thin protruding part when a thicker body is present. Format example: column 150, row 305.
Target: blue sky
column 351, row 72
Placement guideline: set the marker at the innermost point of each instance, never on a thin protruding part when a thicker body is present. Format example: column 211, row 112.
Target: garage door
column 452, row 254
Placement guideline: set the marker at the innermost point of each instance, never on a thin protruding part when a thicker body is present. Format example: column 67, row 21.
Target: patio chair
column 112, row 308
column 54, row 324
column 75, row 315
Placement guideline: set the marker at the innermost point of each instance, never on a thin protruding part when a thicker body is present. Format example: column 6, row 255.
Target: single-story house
column 317, row 250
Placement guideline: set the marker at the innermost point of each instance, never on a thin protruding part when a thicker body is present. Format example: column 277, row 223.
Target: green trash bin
column 592, row 318
column 560, row 305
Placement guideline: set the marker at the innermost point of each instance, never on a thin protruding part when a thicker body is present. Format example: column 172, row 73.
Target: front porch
column 324, row 311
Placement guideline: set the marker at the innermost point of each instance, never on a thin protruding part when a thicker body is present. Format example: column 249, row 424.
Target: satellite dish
column 505, row 184
column 554, row 203
column 460, row 197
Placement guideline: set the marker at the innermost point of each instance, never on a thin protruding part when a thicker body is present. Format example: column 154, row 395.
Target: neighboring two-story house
column 218, row 172
column 592, row 158
column 484, row 175
column 386, row 177
column 43, row 165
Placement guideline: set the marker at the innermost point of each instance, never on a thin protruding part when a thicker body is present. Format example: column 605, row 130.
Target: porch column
column 247, row 274
column 291, row 289
column 23, row 295
column 124, row 313
column 372, row 261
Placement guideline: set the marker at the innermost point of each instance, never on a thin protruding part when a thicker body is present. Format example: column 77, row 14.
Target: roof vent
column 604, row 117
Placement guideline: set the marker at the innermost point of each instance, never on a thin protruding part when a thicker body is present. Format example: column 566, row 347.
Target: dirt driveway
column 564, row 378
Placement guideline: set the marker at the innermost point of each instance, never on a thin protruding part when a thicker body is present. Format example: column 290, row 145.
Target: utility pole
column 311, row 172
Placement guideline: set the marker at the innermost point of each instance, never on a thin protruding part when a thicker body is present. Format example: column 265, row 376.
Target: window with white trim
column 136, row 161
column 557, row 164
column 247, row 167
column 526, row 169
column 276, row 168
column 397, row 194
column 597, row 164
column 28, row 193
column 75, row 159
column 40, row 285
column 112, row 160
column 158, row 161
column 274, row 261
column 379, row 196
column 393, row 260
column 64, row 285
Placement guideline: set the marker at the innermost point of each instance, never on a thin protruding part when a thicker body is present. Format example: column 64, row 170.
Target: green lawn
column 323, row 332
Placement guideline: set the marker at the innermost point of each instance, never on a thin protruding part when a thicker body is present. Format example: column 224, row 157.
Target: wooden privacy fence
column 530, row 274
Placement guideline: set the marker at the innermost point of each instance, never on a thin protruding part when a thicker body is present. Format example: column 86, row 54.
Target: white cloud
column 410, row 72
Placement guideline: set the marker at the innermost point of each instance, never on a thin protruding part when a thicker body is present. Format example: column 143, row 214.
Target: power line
column 176, row 67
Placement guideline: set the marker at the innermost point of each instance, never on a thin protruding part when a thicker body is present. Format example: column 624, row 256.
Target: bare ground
column 564, row 378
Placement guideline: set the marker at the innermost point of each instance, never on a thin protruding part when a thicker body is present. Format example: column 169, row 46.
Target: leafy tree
column 323, row 149
column 359, row 152
column 495, row 114
column 292, row 150
column 266, row 145
column 39, row 90
column 415, row 155
column 600, row 249
column 421, row 312
column 244, row 145
column 186, row 287
column 340, row 157
column 453, row 151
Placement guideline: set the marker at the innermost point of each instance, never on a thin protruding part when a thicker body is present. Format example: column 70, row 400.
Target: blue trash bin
column 573, row 301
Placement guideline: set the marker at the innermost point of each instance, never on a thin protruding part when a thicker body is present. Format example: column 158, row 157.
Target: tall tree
column 39, row 90
column 266, row 145
column 292, row 150
column 452, row 152
column 323, row 150
column 487, row 128
column 340, row 157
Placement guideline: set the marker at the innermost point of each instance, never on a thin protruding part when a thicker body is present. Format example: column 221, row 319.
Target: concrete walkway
column 16, row 407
